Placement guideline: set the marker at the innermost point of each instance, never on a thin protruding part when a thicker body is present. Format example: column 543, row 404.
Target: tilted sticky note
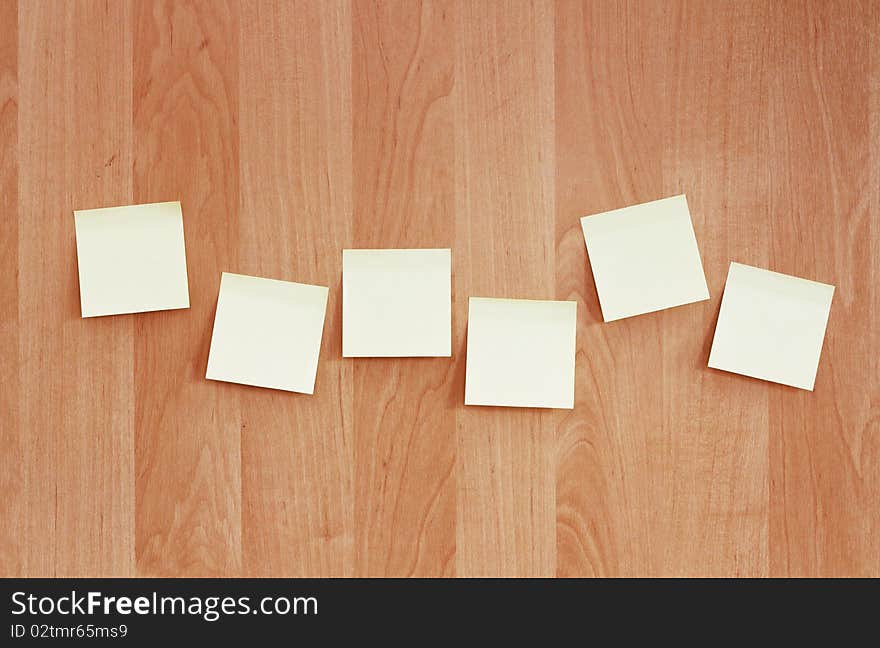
column 131, row 259
column 771, row 326
column 520, row 353
column 644, row 258
column 396, row 303
column 267, row 333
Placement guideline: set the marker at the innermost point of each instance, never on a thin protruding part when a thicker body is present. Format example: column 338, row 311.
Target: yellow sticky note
column 644, row 258
column 131, row 259
column 267, row 333
column 771, row 326
column 520, row 353
column 396, row 303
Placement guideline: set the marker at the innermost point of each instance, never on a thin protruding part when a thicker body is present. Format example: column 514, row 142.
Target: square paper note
column 644, row 258
column 267, row 333
column 396, row 303
column 520, row 353
column 771, row 326
column 131, row 259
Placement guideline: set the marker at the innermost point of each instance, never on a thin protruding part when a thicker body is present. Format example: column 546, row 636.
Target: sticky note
column 131, row 259
column 771, row 326
column 267, row 333
column 396, row 303
column 520, row 353
column 644, row 258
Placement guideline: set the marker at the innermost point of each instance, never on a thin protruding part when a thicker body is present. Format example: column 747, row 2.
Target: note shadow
column 593, row 307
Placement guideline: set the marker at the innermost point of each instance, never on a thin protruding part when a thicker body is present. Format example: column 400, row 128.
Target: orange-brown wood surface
column 290, row 130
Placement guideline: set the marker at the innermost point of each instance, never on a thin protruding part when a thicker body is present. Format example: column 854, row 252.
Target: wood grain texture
column 187, row 430
column 663, row 440
column 825, row 450
column 505, row 134
column 297, row 450
column 403, row 165
column 13, row 513
column 290, row 130
column 76, row 381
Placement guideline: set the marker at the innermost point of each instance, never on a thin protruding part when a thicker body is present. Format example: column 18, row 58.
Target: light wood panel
column 13, row 512
column 612, row 457
column 296, row 114
column 823, row 216
column 187, row 430
column 716, row 141
column 663, row 440
column 290, row 130
column 404, row 155
column 76, row 381
column 504, row 177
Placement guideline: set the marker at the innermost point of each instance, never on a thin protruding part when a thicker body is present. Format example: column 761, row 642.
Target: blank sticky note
column 396, row 303
column 771, row 326
column 644, row 258
column 131, row 259
column 267, row 333
column 520, row 353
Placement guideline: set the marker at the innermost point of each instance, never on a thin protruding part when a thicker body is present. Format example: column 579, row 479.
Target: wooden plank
column 404, row 197
column 188, row 439
column 715, row 423
column 505, row 247
column 76, row 375
column 608, row 155
column 650, row 464
column 297, row 449
column 825, row 450
column 13, row 509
